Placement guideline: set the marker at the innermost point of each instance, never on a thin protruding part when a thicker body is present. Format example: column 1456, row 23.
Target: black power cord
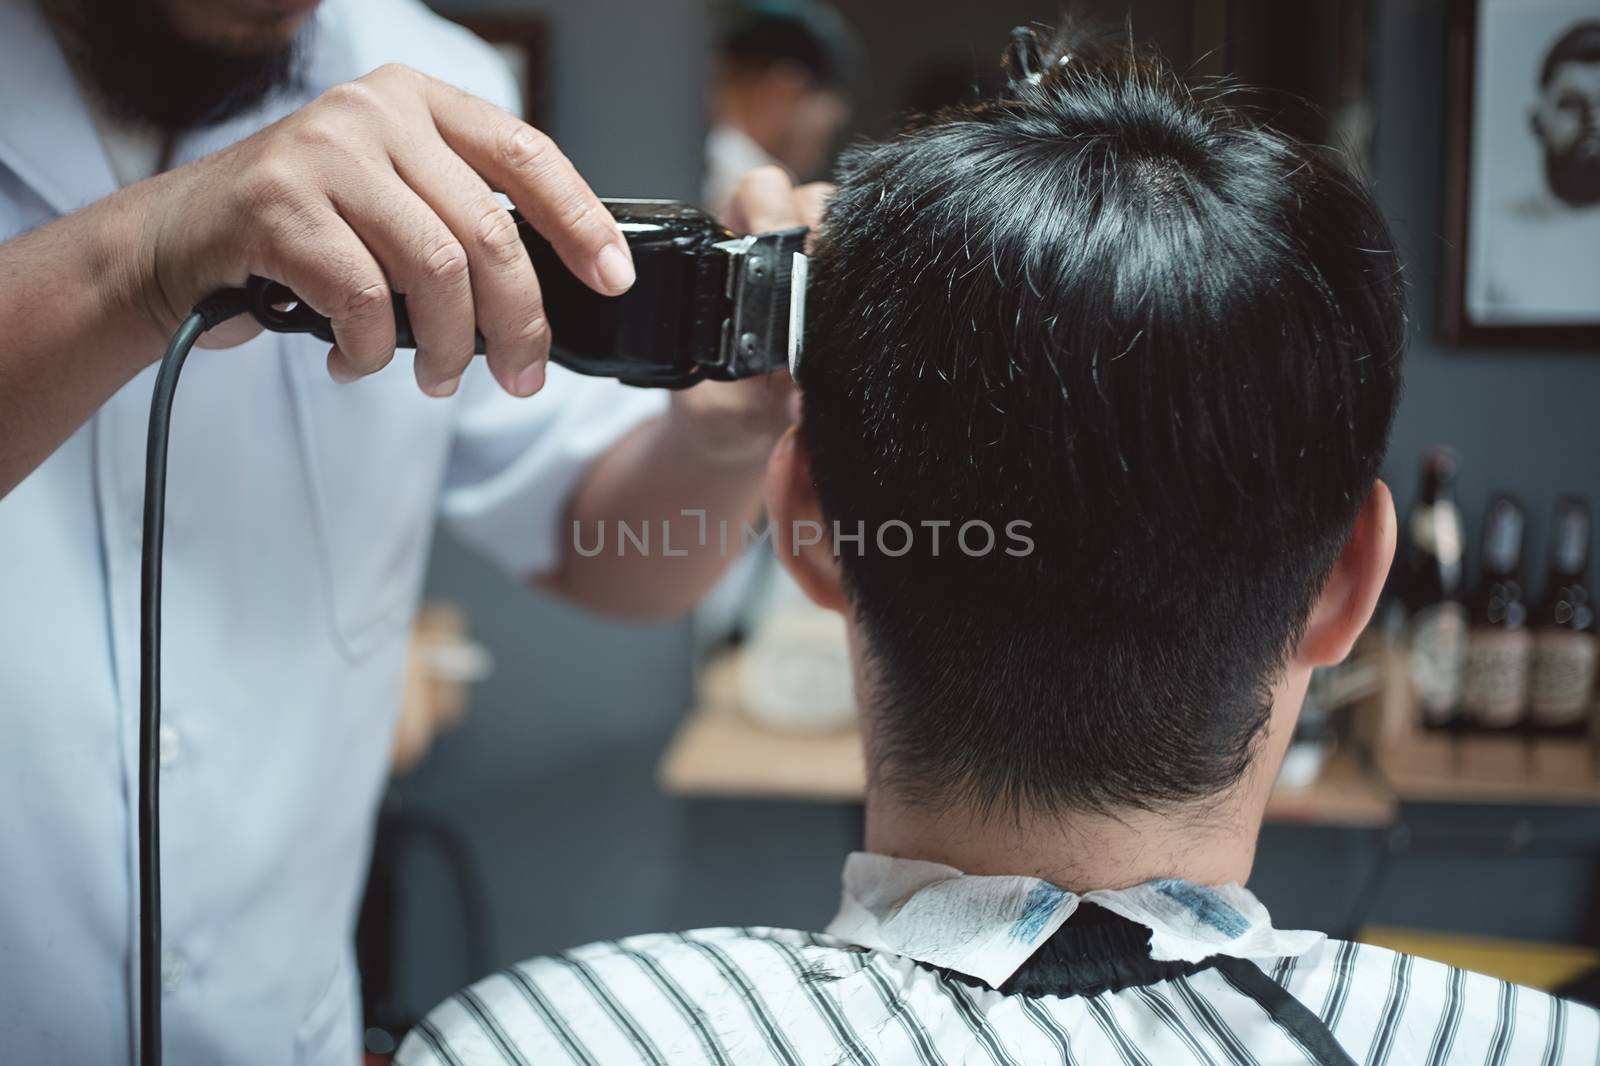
column 212, row 311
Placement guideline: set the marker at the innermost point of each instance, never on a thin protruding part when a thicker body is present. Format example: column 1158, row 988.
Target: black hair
column 1580, row 44
column 1164, row 338
column 810, row 36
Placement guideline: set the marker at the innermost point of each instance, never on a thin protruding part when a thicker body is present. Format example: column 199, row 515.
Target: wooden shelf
column 1427, row 767
column 720, row 751
column 1492, row 770
column 1344, row 793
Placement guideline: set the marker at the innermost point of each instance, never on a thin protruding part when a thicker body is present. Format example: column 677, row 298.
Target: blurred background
column 546, row 817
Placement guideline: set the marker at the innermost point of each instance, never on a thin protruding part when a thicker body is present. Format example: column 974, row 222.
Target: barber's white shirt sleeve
column 514, row 463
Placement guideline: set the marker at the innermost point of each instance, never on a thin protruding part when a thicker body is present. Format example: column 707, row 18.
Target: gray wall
column 625, row 96
column 551, row 780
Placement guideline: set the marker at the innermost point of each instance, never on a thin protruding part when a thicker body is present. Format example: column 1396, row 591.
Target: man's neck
column 1076, row 851
column 1210, row 842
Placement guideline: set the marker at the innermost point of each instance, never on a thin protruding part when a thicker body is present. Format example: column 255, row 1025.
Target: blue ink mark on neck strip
column 1037, row 909
column 1205, row 905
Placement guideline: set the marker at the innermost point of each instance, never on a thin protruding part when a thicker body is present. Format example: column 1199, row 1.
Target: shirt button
column 170, row 745
column 172, row 971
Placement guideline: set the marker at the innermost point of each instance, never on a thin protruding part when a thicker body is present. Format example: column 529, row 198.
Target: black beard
column 147, row 72
column 1574, row 175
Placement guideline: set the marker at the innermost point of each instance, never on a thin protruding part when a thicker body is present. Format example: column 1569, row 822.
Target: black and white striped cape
column 748, row 997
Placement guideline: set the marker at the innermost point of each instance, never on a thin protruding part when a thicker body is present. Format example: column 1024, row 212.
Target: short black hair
column 1580, row 44
column 1123, row 311
column 813, row 37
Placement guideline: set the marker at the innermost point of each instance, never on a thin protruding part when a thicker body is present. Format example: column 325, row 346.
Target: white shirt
column 133, row 151
column 299, row 520
column 730, row 155
column 1536, row 261
column 868, row 991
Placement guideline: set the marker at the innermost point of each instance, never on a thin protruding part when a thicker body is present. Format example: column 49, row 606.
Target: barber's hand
column 384, row 185
column 740, row 421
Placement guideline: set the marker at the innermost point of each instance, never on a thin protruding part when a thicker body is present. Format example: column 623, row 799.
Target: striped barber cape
column 928, row 967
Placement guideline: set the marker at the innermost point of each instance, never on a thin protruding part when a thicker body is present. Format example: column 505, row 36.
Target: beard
column 1574, row 174
column 148, row 72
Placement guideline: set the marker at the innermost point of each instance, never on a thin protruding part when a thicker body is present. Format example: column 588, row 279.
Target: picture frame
column 1522, row 258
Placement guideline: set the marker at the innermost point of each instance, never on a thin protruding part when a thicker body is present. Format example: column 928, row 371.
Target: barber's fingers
column 505, row 293
column 425, row 260
column 330, row 269
column 528, row 167
column 764, row 201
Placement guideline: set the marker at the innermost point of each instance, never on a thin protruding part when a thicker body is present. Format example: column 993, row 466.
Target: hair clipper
column 707, row 305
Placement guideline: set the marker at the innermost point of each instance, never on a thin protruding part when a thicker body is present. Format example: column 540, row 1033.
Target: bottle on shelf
column 1494, row 684
column 1566, row 647
column 1431, row 591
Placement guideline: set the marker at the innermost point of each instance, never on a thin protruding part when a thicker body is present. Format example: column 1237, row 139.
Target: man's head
column 783, row 77
column 1163, row 339
column 178, row 64
column 1567, row 116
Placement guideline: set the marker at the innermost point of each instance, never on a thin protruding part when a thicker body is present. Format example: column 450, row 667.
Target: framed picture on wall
column 1522, row 226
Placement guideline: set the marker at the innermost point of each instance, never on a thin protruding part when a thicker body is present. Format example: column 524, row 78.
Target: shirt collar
column 987, row 927
column 46, row 137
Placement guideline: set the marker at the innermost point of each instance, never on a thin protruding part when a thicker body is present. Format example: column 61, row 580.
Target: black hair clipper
column 707, row 305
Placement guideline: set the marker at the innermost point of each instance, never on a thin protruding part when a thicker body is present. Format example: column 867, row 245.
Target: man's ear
column 800, row 537
column 1351, row 593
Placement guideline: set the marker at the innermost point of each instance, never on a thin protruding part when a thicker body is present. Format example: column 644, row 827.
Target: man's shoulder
column 1379, row 1001
column 409, row 33
column 744, row 952
column 708, row 995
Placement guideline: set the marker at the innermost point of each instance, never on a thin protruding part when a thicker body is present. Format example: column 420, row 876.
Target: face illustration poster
column 1523, row 224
